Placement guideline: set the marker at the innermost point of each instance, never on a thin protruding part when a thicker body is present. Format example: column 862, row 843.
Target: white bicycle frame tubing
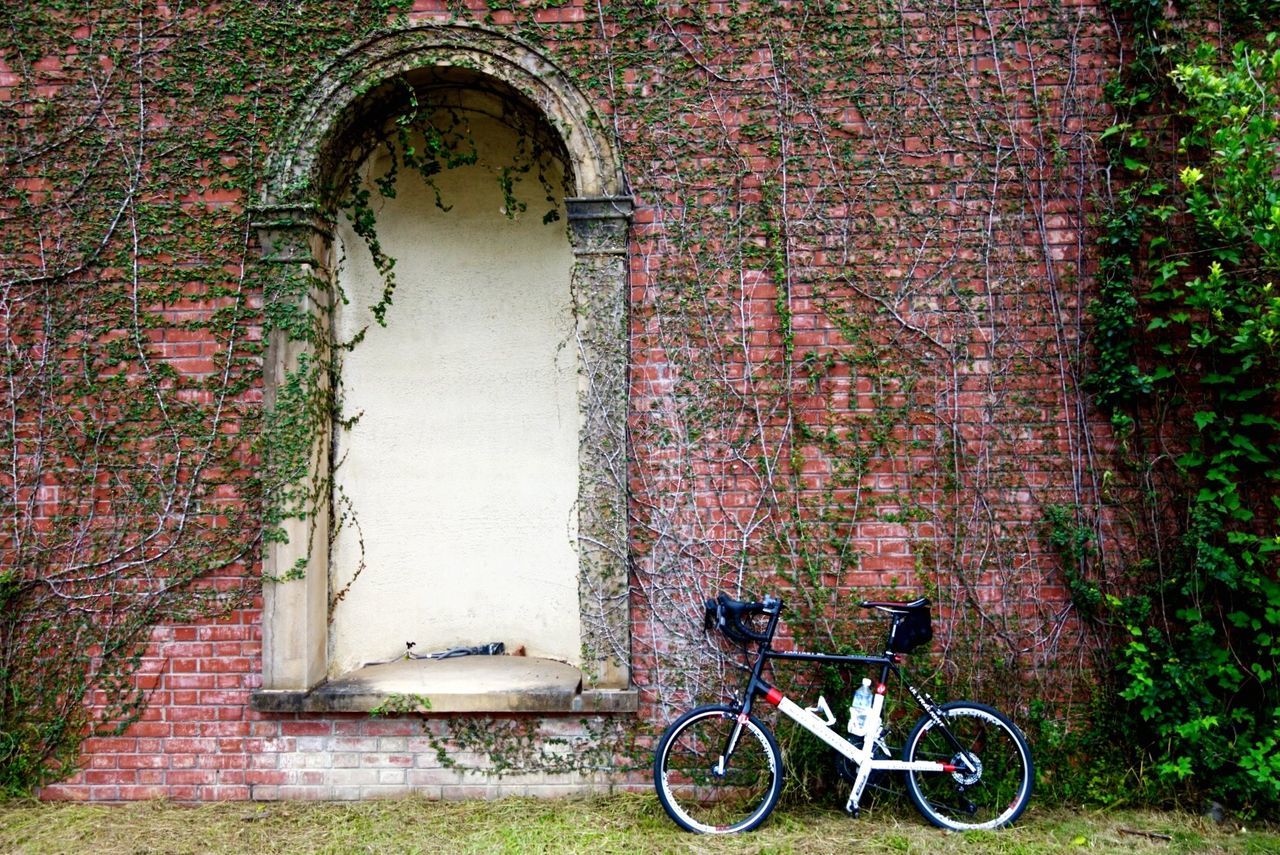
column 861, row 755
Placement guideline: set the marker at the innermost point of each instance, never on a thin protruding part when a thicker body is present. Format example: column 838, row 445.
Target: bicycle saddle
column 896, row 608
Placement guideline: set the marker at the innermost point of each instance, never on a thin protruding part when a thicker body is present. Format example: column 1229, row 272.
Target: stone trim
column 598, row 232
column 348, row 89
column 469, row 684
column 287, row 234
column 295, row 228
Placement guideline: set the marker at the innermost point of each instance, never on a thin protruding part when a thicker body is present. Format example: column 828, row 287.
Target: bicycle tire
column 694, row 794
column 992, row 797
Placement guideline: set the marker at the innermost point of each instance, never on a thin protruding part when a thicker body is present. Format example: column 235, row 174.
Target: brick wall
column 872, row 225
column 198, row 740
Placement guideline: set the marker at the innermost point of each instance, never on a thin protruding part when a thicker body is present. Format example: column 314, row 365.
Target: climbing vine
column 859, row 271
column 132, row 309
column 839, row 282
column 1187, row 370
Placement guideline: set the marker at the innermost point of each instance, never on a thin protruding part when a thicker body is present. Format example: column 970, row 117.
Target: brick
column 143, row 761
column 260, row 777
column 902, row 245
column 237, row 793
column 141, row 793
column 190, row 746
column 65, row 793
column 353, row 777
column 306, row 728
column 190, row 681
column 112, row 744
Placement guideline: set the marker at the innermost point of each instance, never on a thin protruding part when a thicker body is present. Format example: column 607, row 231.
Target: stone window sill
column 466, row 684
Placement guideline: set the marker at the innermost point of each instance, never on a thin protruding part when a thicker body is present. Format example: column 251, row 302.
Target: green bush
column 1198, row 663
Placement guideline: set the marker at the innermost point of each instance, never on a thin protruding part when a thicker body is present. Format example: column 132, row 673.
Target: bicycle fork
column 730, row 746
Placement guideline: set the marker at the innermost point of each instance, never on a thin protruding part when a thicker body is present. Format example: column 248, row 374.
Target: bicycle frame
column 860, row 755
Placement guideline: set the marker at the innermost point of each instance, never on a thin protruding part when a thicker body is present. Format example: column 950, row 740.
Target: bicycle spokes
column 991, row 779
column 707, row 787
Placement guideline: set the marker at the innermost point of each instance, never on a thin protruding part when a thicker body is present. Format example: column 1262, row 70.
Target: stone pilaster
column 599, row 229
column 295, row 241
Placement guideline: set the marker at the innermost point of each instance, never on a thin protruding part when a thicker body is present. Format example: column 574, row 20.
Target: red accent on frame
column 881, row 689
column 947, row 767
column 773, row 696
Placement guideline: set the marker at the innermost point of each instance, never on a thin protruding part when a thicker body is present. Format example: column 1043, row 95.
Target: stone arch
column 295, row 224
column 349, row 90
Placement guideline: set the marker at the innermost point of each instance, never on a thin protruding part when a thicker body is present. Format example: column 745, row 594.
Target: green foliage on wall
column 840, row 287
column 130, row 140
column 1188, row 368
column 858, row 325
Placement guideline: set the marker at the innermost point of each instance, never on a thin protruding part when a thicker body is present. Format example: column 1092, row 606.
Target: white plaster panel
column 462, row 469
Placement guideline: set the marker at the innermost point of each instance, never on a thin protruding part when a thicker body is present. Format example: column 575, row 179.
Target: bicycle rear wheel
column 994, row 792
column 705, row 792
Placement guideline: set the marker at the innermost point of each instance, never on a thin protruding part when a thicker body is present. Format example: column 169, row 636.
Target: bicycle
column 718, row 768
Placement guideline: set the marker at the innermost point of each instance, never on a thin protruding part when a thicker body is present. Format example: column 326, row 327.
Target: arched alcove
column 327, row 136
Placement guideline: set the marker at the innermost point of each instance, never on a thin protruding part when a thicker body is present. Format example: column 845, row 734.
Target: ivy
column 849, row 278
column 133, row 309
column 1187, row 368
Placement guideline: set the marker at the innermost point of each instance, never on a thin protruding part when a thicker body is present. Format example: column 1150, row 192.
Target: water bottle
column 860, row 709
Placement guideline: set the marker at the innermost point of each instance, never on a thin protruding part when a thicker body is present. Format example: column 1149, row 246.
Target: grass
column 629, row 824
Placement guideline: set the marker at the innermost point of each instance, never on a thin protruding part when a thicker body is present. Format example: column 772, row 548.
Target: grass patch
column 624, row 824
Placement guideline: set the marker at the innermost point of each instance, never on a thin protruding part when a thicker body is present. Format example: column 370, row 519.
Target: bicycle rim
column 696, row 793
column 992, row 794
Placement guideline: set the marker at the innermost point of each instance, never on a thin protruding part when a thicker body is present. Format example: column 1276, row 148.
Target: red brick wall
column 199, row 740
column 890, row 248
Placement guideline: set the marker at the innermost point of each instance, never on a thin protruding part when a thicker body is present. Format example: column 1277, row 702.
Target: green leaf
column 1251, row 419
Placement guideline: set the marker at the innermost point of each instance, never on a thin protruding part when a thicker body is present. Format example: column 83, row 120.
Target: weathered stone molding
column 295, row 225
column 598, row 232
column 293, row 234
column 468, row 684
column 347, row 91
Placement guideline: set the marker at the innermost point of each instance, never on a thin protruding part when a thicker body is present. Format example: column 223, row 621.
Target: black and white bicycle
column 718, row 768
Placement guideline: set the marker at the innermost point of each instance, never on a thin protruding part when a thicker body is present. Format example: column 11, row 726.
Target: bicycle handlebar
column 726, row 614
column 911, row 622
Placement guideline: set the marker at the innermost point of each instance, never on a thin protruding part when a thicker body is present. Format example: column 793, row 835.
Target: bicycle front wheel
column 707, row 792
column 991, row 789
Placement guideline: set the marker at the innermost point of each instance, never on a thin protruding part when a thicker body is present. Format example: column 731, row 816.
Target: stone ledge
column 466, row 684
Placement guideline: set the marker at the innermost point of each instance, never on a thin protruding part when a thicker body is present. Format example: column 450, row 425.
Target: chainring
column 848, row 770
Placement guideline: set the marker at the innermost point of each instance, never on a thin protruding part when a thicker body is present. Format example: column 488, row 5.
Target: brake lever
column 710, row 617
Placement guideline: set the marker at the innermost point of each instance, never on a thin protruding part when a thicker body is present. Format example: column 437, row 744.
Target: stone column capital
column 293, row 233
column 600, row 224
